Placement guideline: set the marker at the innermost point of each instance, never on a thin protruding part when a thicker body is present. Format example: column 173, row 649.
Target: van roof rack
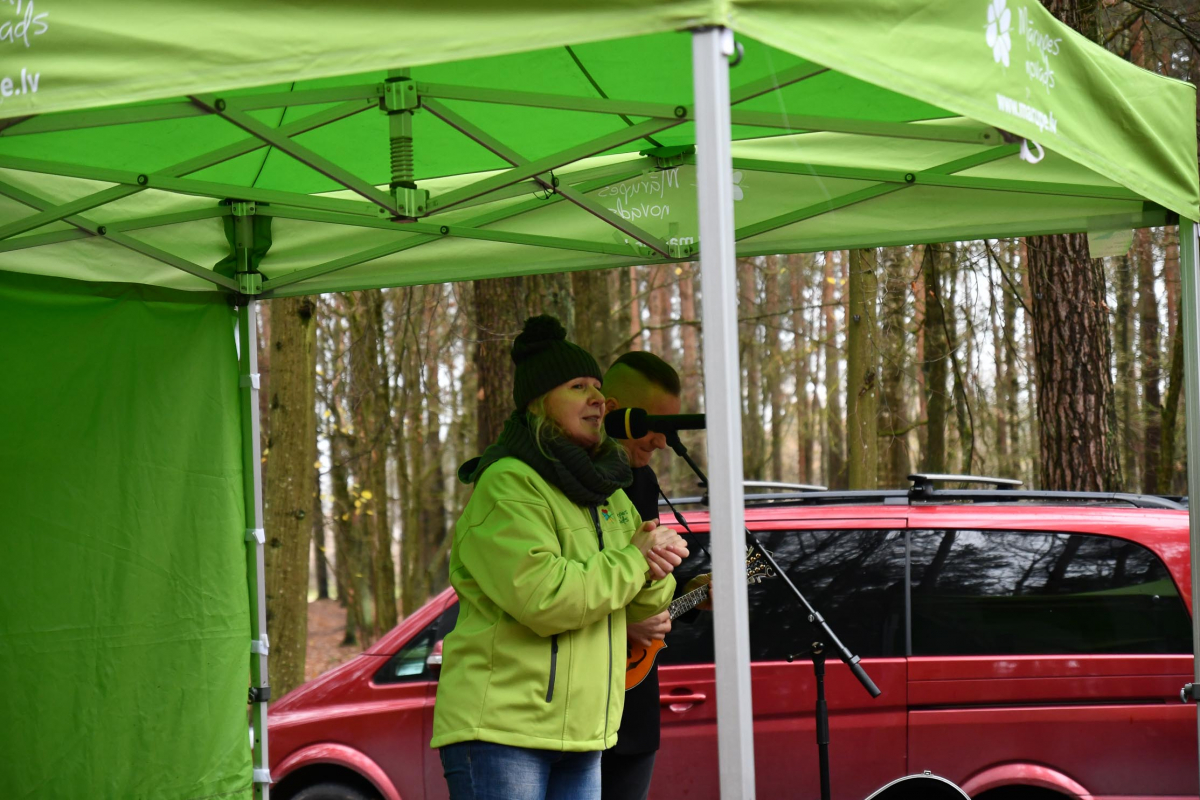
column 923, row 491
column 788, row 490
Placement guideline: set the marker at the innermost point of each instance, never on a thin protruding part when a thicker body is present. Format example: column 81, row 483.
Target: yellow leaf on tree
column 328, row 413
column 316, row 465
column 366, row 495
column 345, row 516
column 358, row 503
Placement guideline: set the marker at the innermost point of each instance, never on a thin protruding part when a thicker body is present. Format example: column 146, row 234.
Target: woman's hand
column 662, row 547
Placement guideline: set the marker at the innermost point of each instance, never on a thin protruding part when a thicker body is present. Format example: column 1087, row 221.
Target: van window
column 1012, row 593
column 855, row 578
column 408, row 664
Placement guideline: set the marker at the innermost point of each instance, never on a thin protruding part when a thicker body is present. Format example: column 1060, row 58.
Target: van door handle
column 682, row 701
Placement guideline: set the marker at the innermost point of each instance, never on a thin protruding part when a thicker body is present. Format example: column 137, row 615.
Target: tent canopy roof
column 860, row 124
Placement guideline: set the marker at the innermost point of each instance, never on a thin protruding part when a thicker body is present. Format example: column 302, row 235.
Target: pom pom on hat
column 539, row 333
column 545, row 359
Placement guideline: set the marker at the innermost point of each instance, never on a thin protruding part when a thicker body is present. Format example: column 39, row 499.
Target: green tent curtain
column 124, row 630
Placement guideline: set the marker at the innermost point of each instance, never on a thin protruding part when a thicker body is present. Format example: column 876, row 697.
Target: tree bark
column 801, row 344
column 320, row 565
column 1149, row 328
column 835, row 459
column 1012, row 386
column 1126, row 387
column 290, row 456
column 773, row 368
column 936, row 357
column 893, row 461
column 1167, row 468
column 593, row 314
column 1071, row 351
column 862, row 371
column 753, row 438
column 370, row 393
column 499, row 314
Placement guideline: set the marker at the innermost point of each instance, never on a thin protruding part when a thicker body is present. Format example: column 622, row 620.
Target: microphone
column 634, row 423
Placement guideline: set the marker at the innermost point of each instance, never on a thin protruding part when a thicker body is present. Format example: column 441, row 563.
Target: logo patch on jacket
column 623, row 517
column 604, row 512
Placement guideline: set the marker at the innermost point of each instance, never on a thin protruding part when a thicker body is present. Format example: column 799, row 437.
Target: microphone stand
column 827, row 638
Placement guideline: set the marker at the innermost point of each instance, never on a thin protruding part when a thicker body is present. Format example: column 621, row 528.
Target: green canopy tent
column 158, row 161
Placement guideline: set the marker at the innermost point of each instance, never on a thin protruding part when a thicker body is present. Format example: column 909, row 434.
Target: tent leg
column 1190, row 260
column 723, row 403
column 260, row 691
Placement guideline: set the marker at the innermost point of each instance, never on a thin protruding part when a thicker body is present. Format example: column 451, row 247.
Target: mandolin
column 639, row 659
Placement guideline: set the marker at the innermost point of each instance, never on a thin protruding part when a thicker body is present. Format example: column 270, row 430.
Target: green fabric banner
column 124, row 624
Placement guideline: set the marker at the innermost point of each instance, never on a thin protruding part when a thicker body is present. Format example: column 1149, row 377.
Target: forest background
column 1021, row 358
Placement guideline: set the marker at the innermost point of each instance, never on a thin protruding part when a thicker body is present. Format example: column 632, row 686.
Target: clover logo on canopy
column 998, row 27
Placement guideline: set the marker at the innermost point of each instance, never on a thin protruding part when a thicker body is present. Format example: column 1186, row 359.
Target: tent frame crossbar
column 303, row 154
column 95, row 229
column 548, row 163
column 133, row 224
column 869, row 192
column 111, row 194
column 598, row 177
column 548, row 182
column 99, row 118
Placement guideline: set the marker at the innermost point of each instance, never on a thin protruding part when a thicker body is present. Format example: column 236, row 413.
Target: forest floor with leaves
column 326, row 627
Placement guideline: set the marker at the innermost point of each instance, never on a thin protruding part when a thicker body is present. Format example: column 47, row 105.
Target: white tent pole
column 255, row 538
column 1190, row 258
column 723, row 404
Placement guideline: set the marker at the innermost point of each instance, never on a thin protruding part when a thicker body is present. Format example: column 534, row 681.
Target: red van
column 1029, row 645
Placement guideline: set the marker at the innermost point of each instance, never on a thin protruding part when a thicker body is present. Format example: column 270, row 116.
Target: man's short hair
column 653, row 369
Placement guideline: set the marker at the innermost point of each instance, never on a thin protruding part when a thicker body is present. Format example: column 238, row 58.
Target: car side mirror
column 434, row 660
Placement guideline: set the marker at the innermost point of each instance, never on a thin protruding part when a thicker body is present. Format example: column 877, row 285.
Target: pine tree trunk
column 635, row 309
column 320, row 564
column 773, row 368
column 835, row 459
column 292, row 451
column 369, row 388
column 752, row 421
column 433, row 512
column 1126, row 389
column 413, row 552
column 962, row 411
column 935, row 363
column 352, row 563
column 1151, row 440
column 801, row 340
column 499, row 314
column 862, row 371
column 1012, row 385
column 893, row 461
column 593, row 314
column 1071, row 350
column 1167, row 467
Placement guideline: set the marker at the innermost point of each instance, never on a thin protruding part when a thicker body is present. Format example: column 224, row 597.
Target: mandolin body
column 639, row 660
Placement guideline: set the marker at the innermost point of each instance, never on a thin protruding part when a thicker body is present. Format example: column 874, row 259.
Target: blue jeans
column 487, row 771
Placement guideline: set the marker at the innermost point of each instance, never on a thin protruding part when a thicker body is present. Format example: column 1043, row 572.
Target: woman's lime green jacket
column 537, row 657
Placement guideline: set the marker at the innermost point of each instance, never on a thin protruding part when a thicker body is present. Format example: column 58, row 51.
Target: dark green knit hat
column 545, row 359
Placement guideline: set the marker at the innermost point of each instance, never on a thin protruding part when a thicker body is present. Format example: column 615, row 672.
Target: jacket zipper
column 608, row 696
column 553, row 666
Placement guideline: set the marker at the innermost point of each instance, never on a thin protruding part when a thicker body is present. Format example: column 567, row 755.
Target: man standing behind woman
column 639, row 380
column 548, row 559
